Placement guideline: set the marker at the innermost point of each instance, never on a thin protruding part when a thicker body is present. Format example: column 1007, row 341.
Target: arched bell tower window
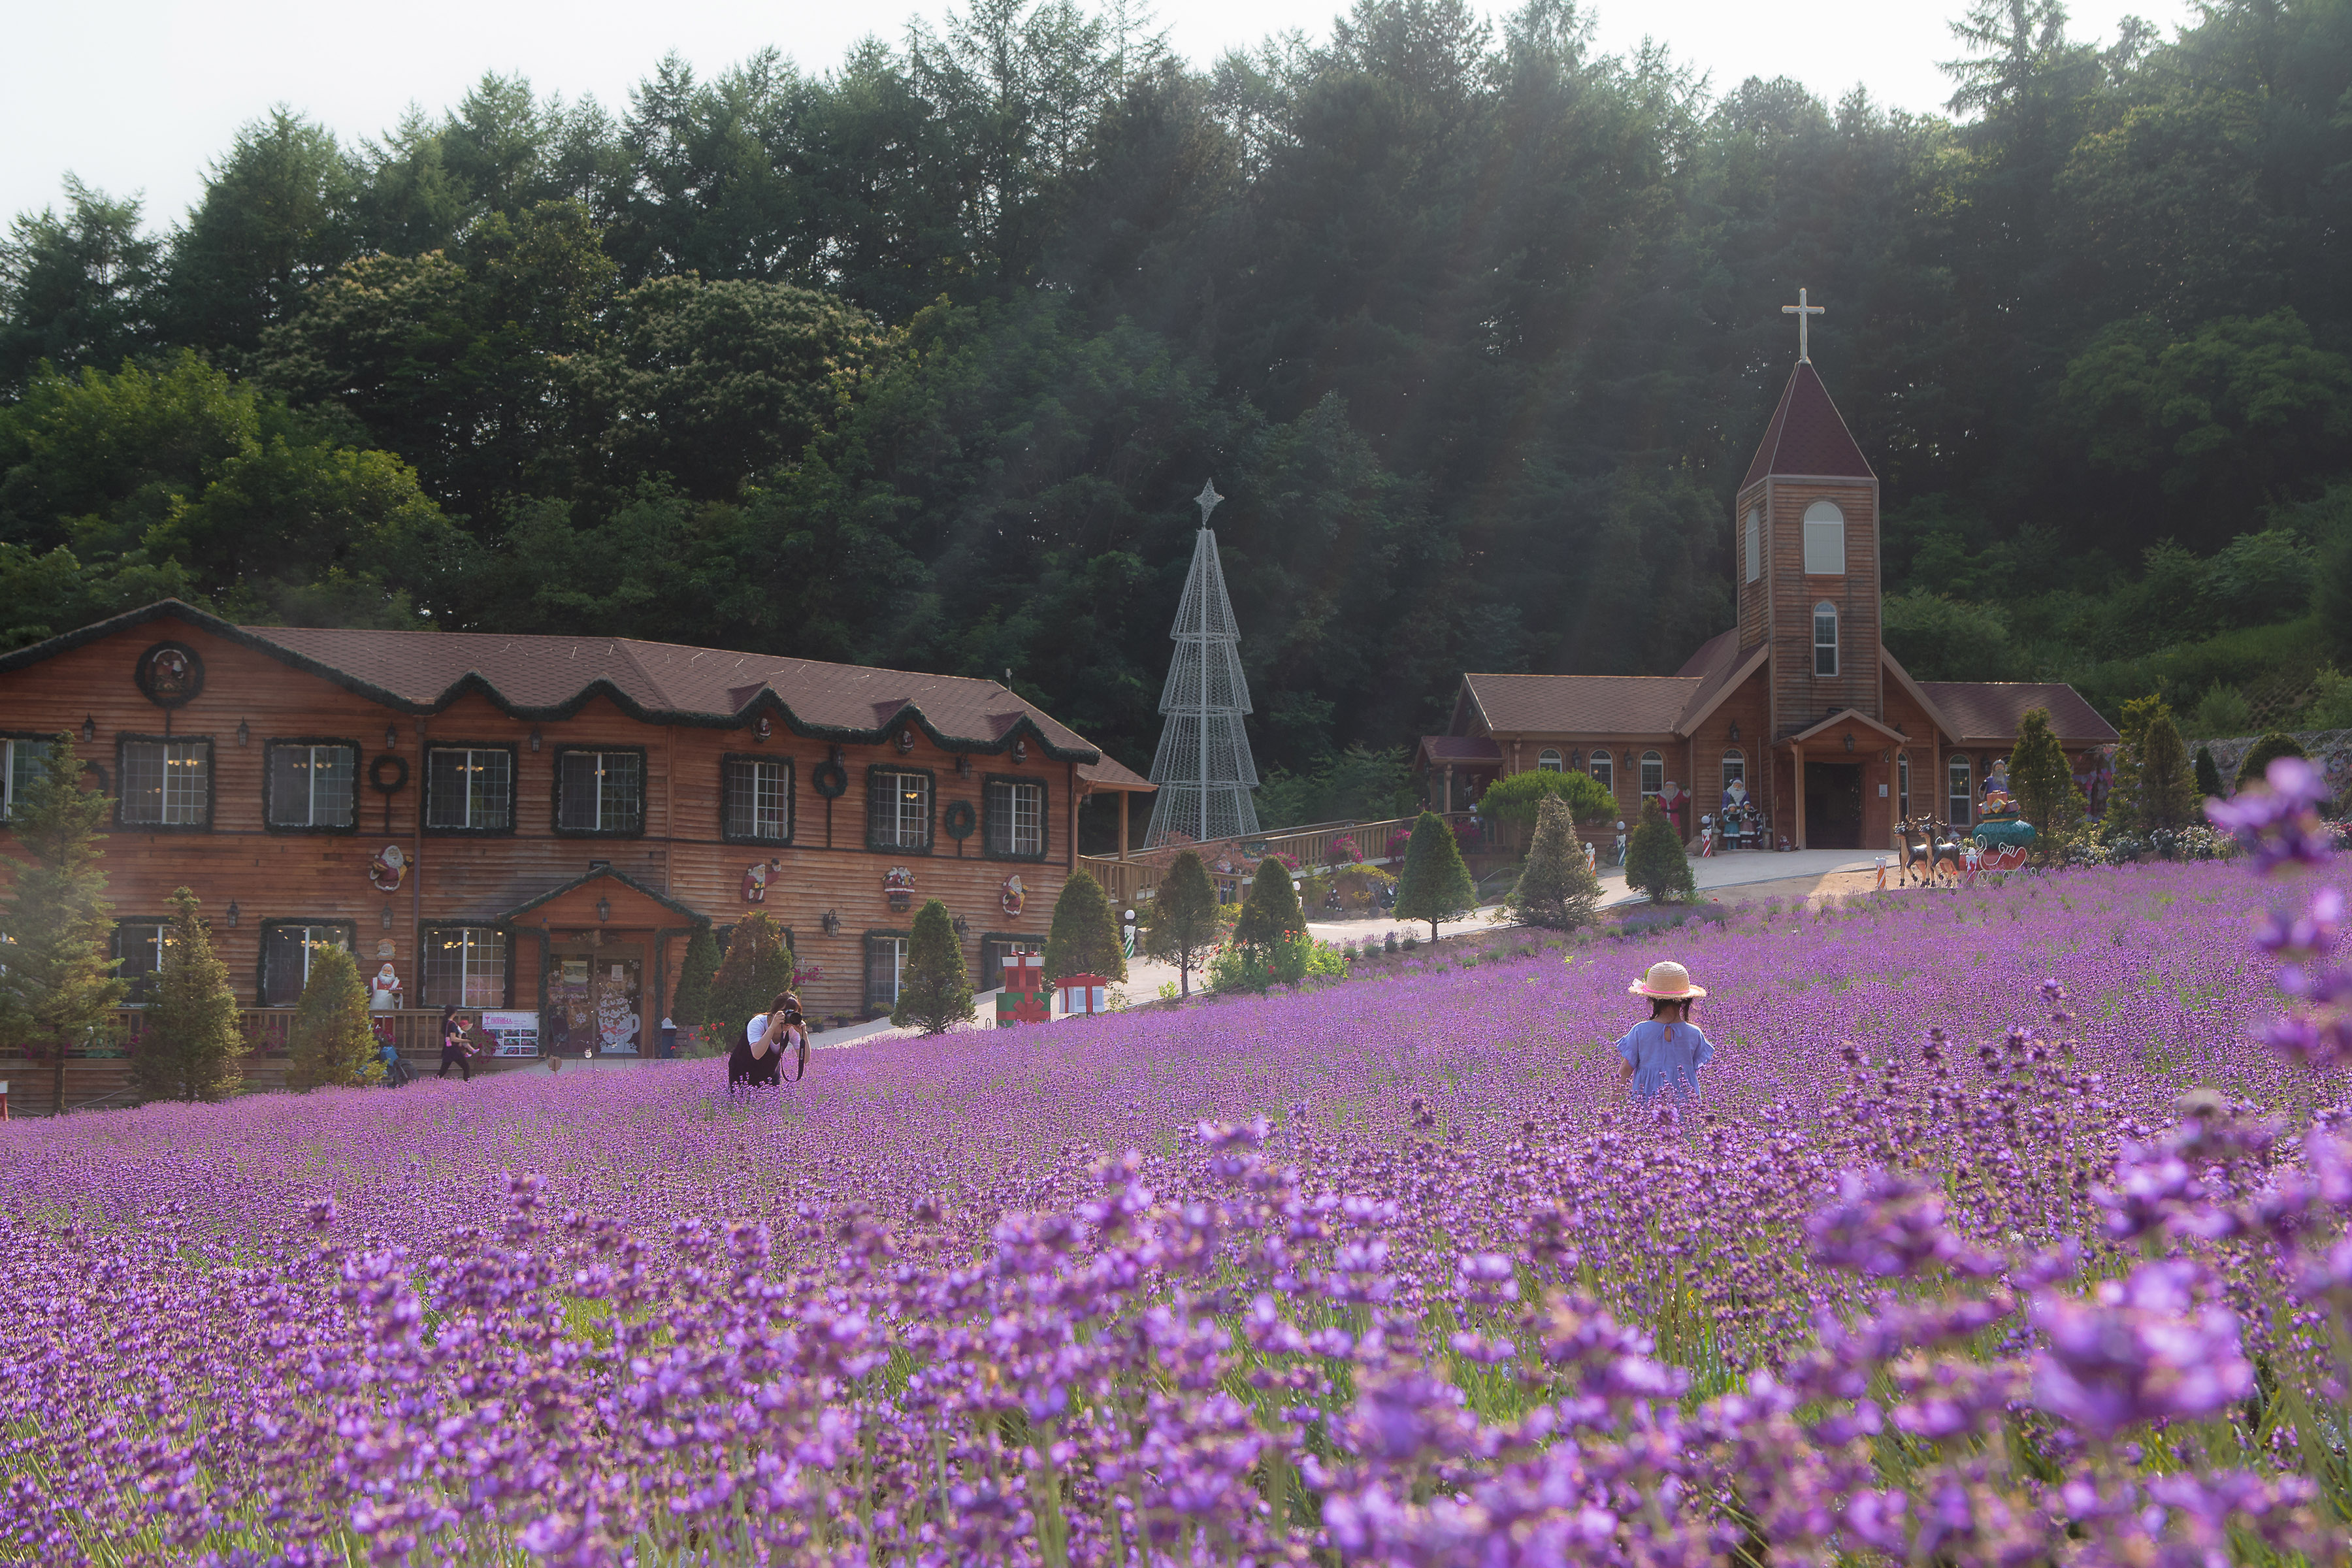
column 1754, row 542
column 1548, row 762
column 1824, row 540
column 1825, row 641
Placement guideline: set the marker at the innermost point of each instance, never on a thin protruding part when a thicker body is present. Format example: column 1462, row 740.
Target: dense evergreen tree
column 2166, row 782
column 1271, row 912
column 1558, row 887
column 330, row 1043
column 2209, row 776
column 2263, row 752
column 2043, row 783
column 1084, row 938
column 57, row 982
column 936, row 989
column 1181, row 922
column 1476, row 325
column 1433, row 885
column 691, row 1008
column 190, row 1048
column 758, row 964
column 1657, row 864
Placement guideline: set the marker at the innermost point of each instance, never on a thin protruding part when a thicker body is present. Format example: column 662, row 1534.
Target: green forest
column 918, row 361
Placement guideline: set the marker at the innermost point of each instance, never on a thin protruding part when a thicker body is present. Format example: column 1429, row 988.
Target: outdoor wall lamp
column 244, row 735
column 392, row 737
column 1849, row 740
column 604, row 911
column 831, row 922
column 1734, row 729
column 384, row 919
column 963, row 765
column 88, row 729
column 962, row 927
column 232, row 913
column 534, row 738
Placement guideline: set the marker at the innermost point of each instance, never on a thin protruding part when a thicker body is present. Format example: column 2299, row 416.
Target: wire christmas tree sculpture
column 1204, row 767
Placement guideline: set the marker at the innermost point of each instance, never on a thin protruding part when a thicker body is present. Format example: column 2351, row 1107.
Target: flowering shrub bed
column 1945, row 1270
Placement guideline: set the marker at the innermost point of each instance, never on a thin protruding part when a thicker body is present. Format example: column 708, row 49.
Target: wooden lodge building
column 538, row 824
column 1799, row 702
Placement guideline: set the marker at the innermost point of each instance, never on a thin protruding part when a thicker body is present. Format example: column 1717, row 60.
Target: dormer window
column 1825, row 641
column 1824, row 540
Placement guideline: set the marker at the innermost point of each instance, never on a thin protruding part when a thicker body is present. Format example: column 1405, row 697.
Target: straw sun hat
column 1668, row 981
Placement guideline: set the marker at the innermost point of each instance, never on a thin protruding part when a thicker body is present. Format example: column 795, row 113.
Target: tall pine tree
column 191, row 1048
column 1181, row 924
column 1435, row 885
column 57, row 985
column 1556, row 889
column 2044, row 784
column 332, row 1043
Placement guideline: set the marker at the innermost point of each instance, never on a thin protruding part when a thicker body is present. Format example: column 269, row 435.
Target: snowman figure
column 384, row 991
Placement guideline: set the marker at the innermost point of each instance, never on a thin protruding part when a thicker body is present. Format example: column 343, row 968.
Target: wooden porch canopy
column 604, row 896
column 1107, row 775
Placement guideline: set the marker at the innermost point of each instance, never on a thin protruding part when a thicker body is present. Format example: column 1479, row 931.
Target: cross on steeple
column 1800, row 310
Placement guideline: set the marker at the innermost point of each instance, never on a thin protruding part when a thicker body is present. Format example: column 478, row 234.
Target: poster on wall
column 511, row 1034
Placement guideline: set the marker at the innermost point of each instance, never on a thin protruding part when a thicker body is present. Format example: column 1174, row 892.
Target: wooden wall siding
column 470, row 878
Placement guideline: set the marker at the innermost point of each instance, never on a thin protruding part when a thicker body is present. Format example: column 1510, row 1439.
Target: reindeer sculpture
column 1935, row 851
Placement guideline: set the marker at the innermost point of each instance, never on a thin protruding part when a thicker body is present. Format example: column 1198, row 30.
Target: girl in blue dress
column 1664, row 1053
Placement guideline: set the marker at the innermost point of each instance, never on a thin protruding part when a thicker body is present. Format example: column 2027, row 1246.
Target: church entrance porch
column 1833, row 805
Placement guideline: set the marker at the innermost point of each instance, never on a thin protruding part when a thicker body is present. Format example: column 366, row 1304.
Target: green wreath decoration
column 831, row 781
column 958, row 820
column 389, row 773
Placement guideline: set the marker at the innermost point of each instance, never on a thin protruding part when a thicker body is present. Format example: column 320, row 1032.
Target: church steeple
column 1806, row 553
column 1807, row 436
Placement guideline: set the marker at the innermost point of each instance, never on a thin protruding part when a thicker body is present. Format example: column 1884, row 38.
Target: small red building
column 1798, row 707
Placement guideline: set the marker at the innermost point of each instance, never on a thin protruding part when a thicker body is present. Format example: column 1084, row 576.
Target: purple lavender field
column 1945, row 1269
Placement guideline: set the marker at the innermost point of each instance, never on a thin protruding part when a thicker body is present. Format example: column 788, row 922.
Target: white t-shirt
column 782, row 1039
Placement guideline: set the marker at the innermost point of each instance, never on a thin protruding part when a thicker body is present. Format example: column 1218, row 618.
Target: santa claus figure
column 1672, row 799
column 384, row 991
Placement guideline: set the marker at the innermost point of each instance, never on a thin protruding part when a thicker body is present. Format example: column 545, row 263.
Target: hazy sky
column 140, row 95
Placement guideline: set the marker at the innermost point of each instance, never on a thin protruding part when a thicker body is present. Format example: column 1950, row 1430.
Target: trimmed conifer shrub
column 1657, row 864
column 1271, row 912
column 1556, row 890
column 691, row 1008
column 2044, row 785
column 758, row 964
column 1181, row 922
column 2209, row 776
column 191, row 1048
column 58, row 984
column 2263, row 752
column 1435, row 885
column 1084, row 937
column 935, row 990
column 2166, row 787
column 331, row 1043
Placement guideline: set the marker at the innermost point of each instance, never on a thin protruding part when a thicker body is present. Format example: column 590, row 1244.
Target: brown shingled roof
column 1986, row 711
column 1472, row 749
column 1807, row 435
column 662, row 683
column 1583, row 704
